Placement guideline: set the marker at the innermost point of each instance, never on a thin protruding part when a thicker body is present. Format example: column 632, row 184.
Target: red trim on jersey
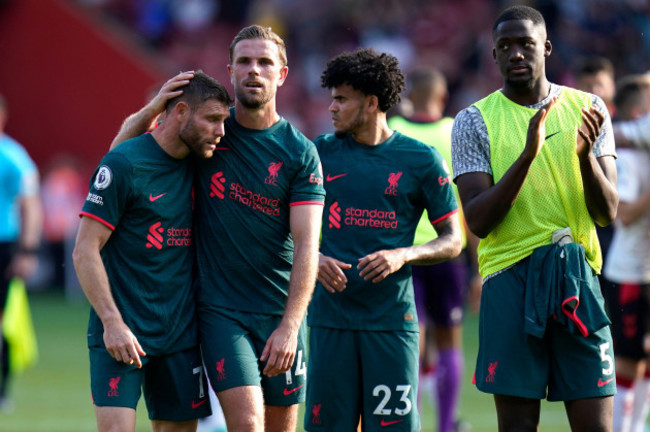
column 307, row 203
column 443, row 217
column 98, row 219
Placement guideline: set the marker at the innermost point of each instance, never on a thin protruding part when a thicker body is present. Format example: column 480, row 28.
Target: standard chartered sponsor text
column 179, row 237
column 255, row 201
column 374, row 218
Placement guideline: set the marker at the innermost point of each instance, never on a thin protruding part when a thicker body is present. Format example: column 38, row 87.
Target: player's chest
column 383, row 179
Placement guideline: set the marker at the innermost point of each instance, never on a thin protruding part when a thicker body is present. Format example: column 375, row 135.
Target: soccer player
column 363, row 323
column 21, row 220
column 259, row 209
column 441, row 289
column 134, row 259
column 259, row 204
column 627, row 267
column 534, row 165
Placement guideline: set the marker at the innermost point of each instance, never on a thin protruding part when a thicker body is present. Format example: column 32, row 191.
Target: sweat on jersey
column 375, row 198
column 243, row 198
column 145, row 197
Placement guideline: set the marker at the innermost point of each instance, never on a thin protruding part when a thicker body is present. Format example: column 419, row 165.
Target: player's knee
column 245, row 422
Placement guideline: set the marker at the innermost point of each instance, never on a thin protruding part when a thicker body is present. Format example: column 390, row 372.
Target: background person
column 21, row 220
column 627, row 267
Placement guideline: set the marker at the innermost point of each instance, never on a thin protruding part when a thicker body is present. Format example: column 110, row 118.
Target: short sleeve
column 604, row 145
column 438, row 193
column 307, row 186
column 470, row 146
column 110, row 190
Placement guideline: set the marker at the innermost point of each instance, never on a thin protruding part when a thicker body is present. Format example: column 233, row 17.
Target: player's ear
column 372, row 102
column 181, row 110
column 547, row 48
column 283, row 75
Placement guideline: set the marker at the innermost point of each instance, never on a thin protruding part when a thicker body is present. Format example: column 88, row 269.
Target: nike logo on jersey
column 154, row 198
column 287, row 391
column 602, row 383
column 196, row 405
column 553, row 134
column 388, row 423
column 331, row 177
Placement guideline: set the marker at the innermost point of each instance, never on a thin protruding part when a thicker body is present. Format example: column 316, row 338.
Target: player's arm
column 485, row 203
column 120, row 342
column 378, row 265
column 598, row 173
column 144, row 120
column 25, row 262
column 305, row 222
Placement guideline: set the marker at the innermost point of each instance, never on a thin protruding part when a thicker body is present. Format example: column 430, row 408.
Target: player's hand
column 122, row 345
column 537, row 130
column 588, row 132
column 377, row 266
column 330, row 273
column 169, row 90
column 279, row 351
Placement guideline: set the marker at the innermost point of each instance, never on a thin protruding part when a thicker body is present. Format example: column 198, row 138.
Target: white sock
column 641, row 404
column 623, row 405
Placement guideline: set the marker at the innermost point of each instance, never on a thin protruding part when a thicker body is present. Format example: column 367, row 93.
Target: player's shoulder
column 327, row 142
column 414, row 151
column 130, row 153
column 135, row 149
column 298, row 137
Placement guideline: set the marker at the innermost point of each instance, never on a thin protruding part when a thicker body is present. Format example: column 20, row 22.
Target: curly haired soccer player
column 364, row 331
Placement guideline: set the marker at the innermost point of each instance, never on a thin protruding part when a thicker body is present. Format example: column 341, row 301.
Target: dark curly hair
column 369, row 72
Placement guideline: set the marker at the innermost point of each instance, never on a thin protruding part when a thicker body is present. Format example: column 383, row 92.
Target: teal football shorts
column 232, row 343
column 175, row 386
column 510, row 362
column 372, row 375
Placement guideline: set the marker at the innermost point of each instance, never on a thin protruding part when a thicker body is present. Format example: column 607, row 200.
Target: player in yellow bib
column 534, row 166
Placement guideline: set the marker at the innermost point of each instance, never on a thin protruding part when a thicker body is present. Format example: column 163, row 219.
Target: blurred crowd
column 451, row 35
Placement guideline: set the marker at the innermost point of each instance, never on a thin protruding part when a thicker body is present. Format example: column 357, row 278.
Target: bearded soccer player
column 134, row 259
column 258, row 213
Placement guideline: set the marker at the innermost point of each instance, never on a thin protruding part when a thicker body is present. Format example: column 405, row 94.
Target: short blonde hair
column 258, row 32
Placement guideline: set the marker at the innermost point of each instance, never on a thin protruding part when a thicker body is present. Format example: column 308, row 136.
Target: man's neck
column 259, row 118
column 170, row 143
column 528, row 95
column 374, row 133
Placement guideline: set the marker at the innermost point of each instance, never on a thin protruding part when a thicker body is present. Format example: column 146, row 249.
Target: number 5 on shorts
column 606, row 358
